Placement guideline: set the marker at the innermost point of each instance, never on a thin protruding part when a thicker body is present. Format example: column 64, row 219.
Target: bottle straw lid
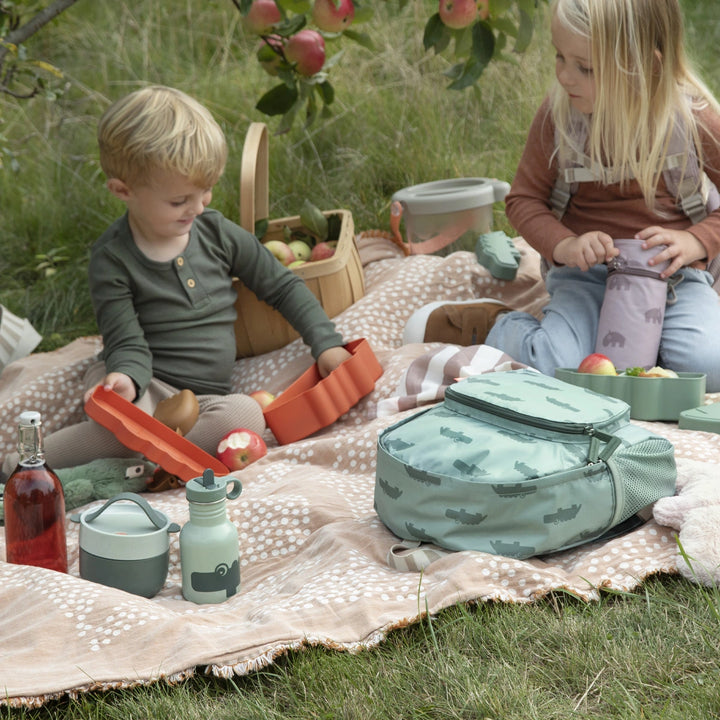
column 29, row 418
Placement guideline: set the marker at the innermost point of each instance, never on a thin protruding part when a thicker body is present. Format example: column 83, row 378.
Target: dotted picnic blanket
column 313, row 552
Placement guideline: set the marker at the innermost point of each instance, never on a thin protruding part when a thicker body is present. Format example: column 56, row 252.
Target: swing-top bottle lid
column 29, row 418
column 209, row 488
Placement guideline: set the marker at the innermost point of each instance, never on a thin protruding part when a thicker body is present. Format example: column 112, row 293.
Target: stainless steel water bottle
column 209, row 544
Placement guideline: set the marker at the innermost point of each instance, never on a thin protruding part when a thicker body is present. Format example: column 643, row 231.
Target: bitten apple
column 597, row 364
column 239, row 448
column 280, row 250
column 262, row 397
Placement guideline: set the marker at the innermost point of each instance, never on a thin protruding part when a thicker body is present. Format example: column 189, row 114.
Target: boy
column 161, row 278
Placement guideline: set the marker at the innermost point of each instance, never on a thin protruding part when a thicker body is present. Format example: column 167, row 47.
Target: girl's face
column 573, row 66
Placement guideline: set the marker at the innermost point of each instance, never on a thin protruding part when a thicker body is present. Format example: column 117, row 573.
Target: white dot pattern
column 313, row 553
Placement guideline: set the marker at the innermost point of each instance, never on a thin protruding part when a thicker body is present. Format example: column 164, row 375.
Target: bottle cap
column 29, row 418
column 208, row 488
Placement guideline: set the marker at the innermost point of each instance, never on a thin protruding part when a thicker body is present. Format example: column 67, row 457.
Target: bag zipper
column 596, row 436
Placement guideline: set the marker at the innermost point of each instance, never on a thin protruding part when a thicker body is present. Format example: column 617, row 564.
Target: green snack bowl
column 649, row 398
column 706, row 417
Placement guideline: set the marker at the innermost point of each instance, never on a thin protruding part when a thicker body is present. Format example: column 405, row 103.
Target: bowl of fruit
column 652, row 393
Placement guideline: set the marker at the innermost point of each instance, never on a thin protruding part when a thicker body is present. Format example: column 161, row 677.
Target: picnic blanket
column 314, row 555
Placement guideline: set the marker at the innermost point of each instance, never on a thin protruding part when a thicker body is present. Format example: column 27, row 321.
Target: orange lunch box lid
column 312, row 403
column 139, row 431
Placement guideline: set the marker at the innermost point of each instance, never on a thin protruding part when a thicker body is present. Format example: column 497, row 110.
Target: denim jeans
column 566, row 334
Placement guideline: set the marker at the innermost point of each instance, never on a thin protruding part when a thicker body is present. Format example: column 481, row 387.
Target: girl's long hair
column 645, row 87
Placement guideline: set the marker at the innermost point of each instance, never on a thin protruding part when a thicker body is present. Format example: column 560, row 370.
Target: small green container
column 648, row 398
column 706, row 417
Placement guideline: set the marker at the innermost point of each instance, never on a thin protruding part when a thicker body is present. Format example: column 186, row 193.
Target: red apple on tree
column 306, row 50
column 261, row 17
column 270, row 54
column 457, row 14
column 239, row 448
column 483, row 9
column 332, row 16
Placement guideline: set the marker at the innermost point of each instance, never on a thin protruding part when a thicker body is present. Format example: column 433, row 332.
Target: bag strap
column 414, row 556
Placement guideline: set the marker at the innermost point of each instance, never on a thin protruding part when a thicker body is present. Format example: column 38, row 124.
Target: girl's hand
column 683, row 248
column 119, row 382
column 329, row 359
column 584, row 251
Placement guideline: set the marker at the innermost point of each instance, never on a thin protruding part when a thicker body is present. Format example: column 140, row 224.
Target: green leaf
column 436, row 35
column 296, row 6
column 525, row 32
column 326, row 92
column 469, row 75
column 483, row 45
column 360, row 38
column 505, row 25
column 290, row 26
column 261, row 227
column 277, row 101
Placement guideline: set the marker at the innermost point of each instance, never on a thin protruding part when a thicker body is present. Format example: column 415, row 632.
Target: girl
column 625, row 102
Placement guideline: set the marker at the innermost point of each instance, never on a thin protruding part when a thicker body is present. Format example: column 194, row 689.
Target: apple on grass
column 280, row 250
column 239, row 448
column 262, row 397
column 597, row 364
column 333, row 16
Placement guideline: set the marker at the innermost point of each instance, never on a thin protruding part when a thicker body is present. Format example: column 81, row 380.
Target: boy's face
column 573, row 66
column 163, row 207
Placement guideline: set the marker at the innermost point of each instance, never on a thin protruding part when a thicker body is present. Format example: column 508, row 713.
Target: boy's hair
column 644, row 84
column 161, row 128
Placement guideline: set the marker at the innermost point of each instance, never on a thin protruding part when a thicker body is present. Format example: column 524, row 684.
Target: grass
column 650, row 654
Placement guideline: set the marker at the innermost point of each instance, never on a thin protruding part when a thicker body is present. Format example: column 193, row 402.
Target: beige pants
column 88, row 440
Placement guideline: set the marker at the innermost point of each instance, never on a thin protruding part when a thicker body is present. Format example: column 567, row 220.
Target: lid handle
column 153, row 516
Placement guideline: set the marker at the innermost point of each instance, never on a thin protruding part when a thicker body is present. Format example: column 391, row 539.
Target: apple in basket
column 597, row 364
column 323, row 250
column 280, row 250
column 239, row 448
column 332, row 16
column 301, row 250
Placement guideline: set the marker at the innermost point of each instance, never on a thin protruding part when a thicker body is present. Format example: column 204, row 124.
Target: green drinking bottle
column 209, row 545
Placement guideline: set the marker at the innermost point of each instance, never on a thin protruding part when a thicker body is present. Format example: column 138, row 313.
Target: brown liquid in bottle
column 35, row 510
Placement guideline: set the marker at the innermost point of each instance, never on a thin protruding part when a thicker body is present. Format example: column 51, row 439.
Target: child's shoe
column 466, row 322
column 179, row 412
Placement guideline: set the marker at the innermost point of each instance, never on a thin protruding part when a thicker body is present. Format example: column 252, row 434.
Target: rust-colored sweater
column 620, row 213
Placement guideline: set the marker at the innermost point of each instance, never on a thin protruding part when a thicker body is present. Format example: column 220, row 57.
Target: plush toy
column 694, row 511
column 102, row 479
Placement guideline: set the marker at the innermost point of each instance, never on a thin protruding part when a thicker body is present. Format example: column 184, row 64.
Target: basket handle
column 254, row 177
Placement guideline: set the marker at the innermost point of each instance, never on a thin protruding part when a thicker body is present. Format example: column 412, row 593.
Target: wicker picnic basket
column 336, row 282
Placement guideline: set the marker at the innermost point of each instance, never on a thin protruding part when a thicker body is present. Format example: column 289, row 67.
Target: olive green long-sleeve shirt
column 175, row 320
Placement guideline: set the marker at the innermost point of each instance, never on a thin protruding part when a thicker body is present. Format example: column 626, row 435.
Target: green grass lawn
column 650, row 654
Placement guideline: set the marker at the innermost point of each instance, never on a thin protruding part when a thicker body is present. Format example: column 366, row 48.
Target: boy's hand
column 683, row 248
column 584, row 251
column 329, row 359
column 119, row 382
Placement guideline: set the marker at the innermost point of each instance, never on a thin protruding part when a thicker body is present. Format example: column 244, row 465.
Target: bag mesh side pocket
column 647, row 471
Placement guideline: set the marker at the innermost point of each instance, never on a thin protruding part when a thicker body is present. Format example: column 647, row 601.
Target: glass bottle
column 209, row 543
column 34, row 504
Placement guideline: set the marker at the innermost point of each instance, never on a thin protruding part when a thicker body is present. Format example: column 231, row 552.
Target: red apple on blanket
column 280, row 250
column 239, row 448
column 597, row 364
column 262, row 397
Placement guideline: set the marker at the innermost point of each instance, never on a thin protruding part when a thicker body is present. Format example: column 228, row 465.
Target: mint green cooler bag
column 518, row 464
